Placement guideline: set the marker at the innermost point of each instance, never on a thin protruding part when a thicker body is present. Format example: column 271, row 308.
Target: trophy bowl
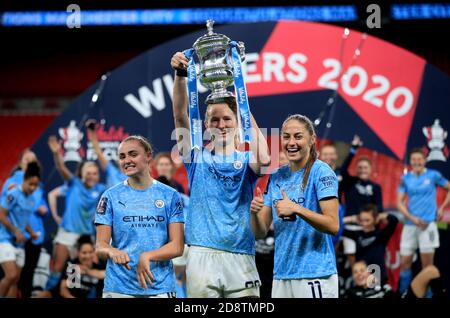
column 213, row 51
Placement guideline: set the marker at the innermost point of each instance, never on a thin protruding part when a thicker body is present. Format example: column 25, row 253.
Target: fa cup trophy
column 219, row 67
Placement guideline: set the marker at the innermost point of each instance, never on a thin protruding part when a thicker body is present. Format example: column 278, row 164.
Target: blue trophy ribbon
column 241, row 97
column 195, row 120
column 241, row 92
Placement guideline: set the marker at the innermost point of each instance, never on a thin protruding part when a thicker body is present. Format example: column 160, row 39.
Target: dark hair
column 312, row 152
column 359, row 262
column 164, row 180
column 33, row 170
column 372, row 208
column 142, row 141
column 84, row 239
column 230, row 101
column 417, row 150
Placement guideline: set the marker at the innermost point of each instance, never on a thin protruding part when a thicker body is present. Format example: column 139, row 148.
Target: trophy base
column 222, row 97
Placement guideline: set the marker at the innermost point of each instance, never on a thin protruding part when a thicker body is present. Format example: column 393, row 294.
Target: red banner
column 380, row 81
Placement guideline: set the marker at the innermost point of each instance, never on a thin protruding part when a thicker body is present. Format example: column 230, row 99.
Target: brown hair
column 359, row 262
column 230, row 101
column 364, row 158
column 312, row 152
column 417, row 150
column 371, row 208
column 142, row 141
column 82, row 240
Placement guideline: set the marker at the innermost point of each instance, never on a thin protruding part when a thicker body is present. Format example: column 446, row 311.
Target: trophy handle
column 241, row 49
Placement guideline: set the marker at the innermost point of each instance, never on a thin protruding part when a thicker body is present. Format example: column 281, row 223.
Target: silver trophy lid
column 209, row 26
column 211, row 38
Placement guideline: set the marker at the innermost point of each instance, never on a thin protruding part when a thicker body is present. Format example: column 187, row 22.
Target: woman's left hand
column 144, row 274
column 285, row 207
column 440, row 214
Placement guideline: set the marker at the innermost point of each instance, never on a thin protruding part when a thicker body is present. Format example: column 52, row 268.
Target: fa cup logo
column 435, row 137
column 72, row 137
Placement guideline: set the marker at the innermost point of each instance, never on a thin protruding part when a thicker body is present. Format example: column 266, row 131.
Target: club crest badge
column 159, row 203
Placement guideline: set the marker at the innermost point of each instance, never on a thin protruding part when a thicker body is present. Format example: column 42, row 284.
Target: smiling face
column 363, row 170
column 360, row 274
column 90, row 174
column 328, row 155
column 296, row 141
column 367, row 221
column 164, row 167
column 86, row 254
column 417, row 161
column 221, row 122
column 133, row 159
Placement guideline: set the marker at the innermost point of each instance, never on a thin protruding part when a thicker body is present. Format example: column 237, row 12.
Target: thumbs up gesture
column 285, row 207
column 257, row 202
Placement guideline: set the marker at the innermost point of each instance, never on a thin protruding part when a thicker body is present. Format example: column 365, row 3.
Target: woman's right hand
column 356, row 142
column 90, row 124
column 20, row 238
column 57, row 219
column 119, row 257
column 53, row 144
column 382, row 218
column 179, row 61
column 419, row 223
column 257, row 202
column 350, row 219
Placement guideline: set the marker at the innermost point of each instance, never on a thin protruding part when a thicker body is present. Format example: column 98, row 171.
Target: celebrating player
column 301, row 199
column 82, row 196
column 420, row 230
column 139, row 228
column 15, row 211
column 221, row 258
